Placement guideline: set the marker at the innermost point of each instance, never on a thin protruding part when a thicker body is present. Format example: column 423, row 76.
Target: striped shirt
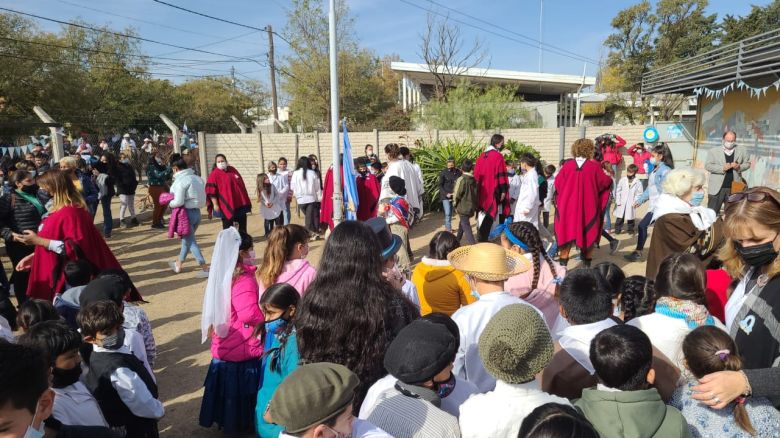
column 404, row 416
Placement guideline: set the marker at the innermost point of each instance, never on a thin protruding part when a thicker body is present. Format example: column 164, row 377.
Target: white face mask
column 222, row 165
column 32, row 432
column 729, row 144
column 250, row 258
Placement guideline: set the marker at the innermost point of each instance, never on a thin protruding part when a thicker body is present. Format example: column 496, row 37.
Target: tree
column 470, row 107
column 209, row 103
column 683, row 30
column 759, row 20
column 443, row 51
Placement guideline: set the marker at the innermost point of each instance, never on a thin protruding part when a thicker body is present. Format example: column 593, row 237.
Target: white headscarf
column 702, row 217
column 216, row 302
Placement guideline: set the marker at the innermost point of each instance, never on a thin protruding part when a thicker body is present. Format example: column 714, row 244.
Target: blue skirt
column 230, row 395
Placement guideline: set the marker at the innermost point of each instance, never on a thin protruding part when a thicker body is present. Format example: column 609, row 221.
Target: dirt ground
column 175, row 302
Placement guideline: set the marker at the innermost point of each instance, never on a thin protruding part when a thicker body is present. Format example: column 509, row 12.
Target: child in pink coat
column 233, row 377
column 284, row 260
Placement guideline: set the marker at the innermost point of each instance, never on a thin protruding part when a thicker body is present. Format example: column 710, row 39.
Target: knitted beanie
column 516, row 344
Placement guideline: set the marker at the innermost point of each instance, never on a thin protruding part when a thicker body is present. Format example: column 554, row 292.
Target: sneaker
column 134, row 221
column 158, row 226
column 174, row 268
column 202, row 274
column 614, row 246
column 633, row 257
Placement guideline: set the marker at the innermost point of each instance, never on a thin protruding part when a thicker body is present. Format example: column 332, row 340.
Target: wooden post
column 202, row 155
column 297, row 146
column 57, row 143
column 317, row 144
column 260, row 147
column 376, row 141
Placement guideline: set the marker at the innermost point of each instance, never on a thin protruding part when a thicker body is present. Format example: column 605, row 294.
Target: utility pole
column 338, row 200
column 233, row 78
column 541, row 10
column 274, row 102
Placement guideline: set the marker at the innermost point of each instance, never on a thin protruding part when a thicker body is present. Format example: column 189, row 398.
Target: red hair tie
column 740, row 400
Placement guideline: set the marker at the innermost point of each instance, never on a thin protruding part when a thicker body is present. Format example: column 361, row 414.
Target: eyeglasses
column 757, row 196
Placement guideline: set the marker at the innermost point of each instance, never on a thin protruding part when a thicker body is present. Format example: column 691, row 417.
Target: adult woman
column 582, row 191
column 20, row 211
column 351, row 313
column 226, row 194
column 158, row 175
column 190, row 194
column 284, row 260
column 126, row 183
column 664, row 163
column 82, row 181
column 752, row 230
column 680, row 306
column 441, row 288
column 305, row 185
column 66, row 233
column 104, row 172
column 681, row 223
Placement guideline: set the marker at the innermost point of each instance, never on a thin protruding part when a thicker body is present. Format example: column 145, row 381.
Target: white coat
column 276, row 200
column 514, row 189
column 527, row 208
column 626, row 195
column 406, row 171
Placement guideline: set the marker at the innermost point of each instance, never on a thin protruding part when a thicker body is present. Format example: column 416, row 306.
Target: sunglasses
column 757, row 196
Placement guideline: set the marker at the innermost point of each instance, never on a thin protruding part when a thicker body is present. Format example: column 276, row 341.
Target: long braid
column 528, row 234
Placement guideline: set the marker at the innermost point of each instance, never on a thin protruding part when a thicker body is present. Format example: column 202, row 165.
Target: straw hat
column 488, row 261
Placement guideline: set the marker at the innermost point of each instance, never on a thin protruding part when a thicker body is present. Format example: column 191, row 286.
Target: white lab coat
column 276, row 200
column 514, row 190
column 527, row 208
column 406, row 171
column 626, row 195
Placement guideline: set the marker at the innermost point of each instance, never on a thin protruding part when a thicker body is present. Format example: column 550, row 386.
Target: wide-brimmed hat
column 488, row 261
column 389, row 242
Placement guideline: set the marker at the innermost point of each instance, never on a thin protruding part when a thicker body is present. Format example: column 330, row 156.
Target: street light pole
column 338, row 203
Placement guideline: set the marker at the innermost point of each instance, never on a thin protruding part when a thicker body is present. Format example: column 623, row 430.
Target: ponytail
column 529, row 235
column 281, row 243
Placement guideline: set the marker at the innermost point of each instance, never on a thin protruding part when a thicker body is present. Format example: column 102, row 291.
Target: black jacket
column 447, row 179
column 124, row 177
column 18, row 215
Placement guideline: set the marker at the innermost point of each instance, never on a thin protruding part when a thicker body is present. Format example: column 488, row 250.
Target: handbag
column 738, row 186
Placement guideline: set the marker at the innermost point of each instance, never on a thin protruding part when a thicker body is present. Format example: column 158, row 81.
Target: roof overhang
column 526, row 82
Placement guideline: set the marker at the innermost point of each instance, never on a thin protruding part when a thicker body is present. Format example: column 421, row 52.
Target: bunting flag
column 756, row 92
column 350, row 180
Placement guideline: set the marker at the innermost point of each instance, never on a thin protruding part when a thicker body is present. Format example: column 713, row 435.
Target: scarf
column 695, row 315
column 576, row 340
column 702, row 217
column 32, row 200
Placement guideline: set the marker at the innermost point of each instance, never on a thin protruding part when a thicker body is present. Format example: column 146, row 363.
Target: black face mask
column 631, row 177
column 30, row 190
column 115, row 341
column 62, row 378
column 758, row 255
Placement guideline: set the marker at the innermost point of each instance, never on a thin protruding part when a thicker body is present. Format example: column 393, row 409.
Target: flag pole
column 338, row 203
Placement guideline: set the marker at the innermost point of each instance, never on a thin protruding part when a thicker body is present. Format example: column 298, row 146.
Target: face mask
column 697, row 198
column 126, row 161
column 631, row 177
column 30, row 190
column 729, row 144
column 339, row 434
column 32, row 432
column 446, row 387
column 511, row 173
column 250, row 259
column 272, row 171
column 273, row 326
column 62, row 378
column 115, row 341
column 222, row 165
column 758, row 255
column 33, row 173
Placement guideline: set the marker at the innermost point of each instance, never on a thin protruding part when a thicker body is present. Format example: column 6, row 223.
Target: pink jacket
column 179, row 223
column 298, row 273
column 612, row 153
column 239, row 345
column 543, row 297
column 640, row 158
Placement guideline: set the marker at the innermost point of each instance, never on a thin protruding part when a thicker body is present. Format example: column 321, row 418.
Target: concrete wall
column 243, row 151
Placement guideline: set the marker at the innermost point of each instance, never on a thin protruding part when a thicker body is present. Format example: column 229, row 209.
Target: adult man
column 447, row 179
column 147, row 146
column 725, row 166
column 287, row 174
column 128, row 144
column 493, row 185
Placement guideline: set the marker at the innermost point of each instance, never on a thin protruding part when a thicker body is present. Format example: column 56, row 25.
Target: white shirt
column 132, row 390
column 128, row 143
column 410, row 290
column 576, row 339
column 5, row 331
column 471, row 320
column 450, row 404
column 360, row 429
column 306, row 190
column 404, row 170
column 134, row 343
column 527, row 207
column 500, row 413
column 279, row 180
column 75, row 406
column 276, row 200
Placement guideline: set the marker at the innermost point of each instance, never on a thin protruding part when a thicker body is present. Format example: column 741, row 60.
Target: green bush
column 432, row 158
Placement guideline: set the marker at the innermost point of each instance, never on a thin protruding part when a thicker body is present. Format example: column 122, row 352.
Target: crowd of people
column 488, row 336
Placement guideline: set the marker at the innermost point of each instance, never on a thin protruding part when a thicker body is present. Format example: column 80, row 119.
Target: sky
column 506, row 28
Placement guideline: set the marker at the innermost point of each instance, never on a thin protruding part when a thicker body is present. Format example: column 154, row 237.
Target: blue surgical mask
column 31, row 432
column 697, row 198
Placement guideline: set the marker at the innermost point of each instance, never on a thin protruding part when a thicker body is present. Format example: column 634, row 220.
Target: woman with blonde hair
column 67, row 233
column 82, row 181
column 284, row 260
column 749, row 253
column 682, row 224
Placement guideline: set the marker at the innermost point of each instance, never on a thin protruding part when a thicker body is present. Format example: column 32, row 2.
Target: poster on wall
column 756, row 120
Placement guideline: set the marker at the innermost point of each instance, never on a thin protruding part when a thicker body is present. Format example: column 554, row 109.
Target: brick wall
column 243, row 150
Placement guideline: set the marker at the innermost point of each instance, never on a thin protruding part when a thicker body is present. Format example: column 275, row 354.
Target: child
column 73, row 404
column 549, row 173
column 514, row 185
column 638, row 297
column 121, row 384
column 607, row 217
column 284, row 260
column 230, row 389
column 440, row 287
column 33, row 311
column 527, row 207
column 538, row 285
column 556, row 420
column 390, row 246
column 708, row 350
column 271, row 203
column 280, row 357
column 464, row 199
column 615, row 278
column 623, row 404
column 78, row 273
column 627, row 195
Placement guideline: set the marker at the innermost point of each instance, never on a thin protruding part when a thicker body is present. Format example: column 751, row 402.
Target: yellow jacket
column 441, row 287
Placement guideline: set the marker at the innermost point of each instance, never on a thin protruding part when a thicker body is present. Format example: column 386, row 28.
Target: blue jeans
column 286, row 213
column 447, row 204
column 607, row 218
column 108, row 220
column 643, row 226
column 188, row 243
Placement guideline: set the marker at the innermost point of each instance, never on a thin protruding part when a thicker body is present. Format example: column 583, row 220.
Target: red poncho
column 67, row 223
column 326, row 206
column 229, row 189
column 582, row 194
column 492, row 180
column 368, row 196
